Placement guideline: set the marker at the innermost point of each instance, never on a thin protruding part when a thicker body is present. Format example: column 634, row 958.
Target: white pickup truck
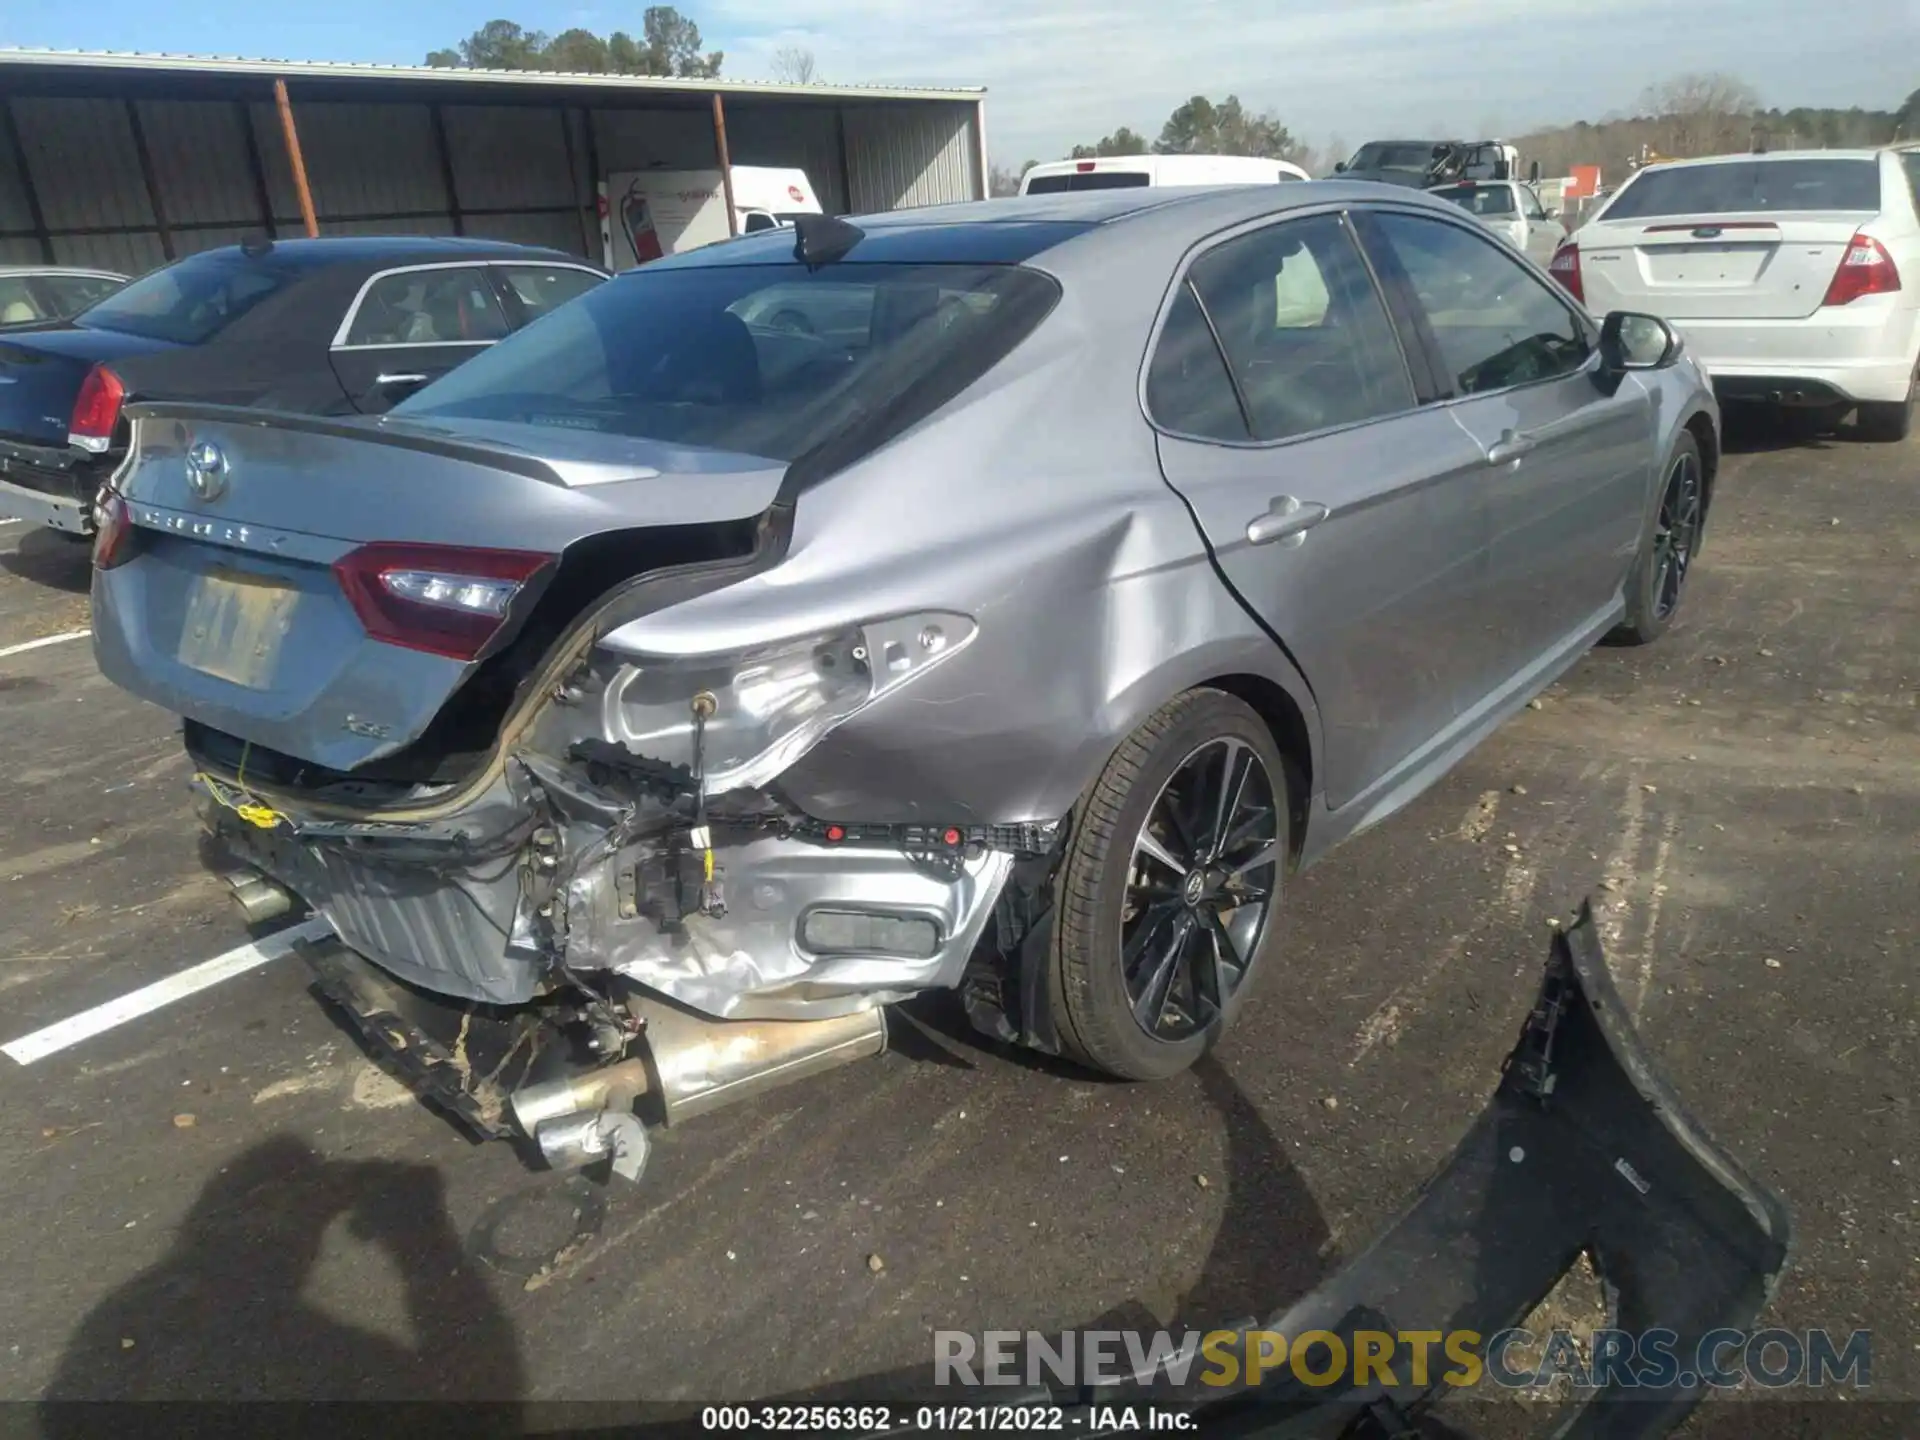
column 1510, row 208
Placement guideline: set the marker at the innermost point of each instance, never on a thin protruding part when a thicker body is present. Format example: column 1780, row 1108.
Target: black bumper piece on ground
column 1584, row 1147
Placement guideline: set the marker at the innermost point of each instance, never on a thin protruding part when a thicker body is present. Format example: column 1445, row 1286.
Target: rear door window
column 1305, row 332
column 1495, row 325
column 1735, row 186
column 444, row 305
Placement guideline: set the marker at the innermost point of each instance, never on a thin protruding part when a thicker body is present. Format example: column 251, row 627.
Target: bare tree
column 1003, row 180
column 794, row 65
column 1707, row 114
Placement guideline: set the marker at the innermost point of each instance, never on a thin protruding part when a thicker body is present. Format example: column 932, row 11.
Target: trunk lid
column 1714, row 267
column 228, row 609
column 40, row 375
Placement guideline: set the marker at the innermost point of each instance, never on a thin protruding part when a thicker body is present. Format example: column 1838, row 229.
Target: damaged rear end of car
column 421, row 697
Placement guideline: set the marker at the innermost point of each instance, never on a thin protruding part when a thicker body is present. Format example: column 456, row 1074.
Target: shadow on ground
column 47, row 557
column 223, row 1316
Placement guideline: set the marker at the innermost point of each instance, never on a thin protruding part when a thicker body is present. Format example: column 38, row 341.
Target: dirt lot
column 224, row 1199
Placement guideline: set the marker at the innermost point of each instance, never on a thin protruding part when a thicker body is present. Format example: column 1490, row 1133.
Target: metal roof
column 151, row 63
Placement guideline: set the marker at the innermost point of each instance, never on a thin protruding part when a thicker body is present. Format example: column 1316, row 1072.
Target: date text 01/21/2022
column 937, row 1419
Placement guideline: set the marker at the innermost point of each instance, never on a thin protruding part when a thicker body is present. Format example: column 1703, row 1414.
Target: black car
column 329, row 327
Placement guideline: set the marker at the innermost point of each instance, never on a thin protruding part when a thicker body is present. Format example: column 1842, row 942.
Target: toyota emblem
column 206, row 470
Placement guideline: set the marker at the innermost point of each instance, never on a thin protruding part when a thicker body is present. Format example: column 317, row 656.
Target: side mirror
column 1630, row 341
column 1339, row 167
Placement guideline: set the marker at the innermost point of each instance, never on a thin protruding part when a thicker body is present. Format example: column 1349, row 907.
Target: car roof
column 1203, row 208
column 1019, row 229
column 60, row 270
column 1765, row 156
column 304, row 253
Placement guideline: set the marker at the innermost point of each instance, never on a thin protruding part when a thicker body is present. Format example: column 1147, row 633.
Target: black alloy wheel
column 1200, row 888
column 1676, row 534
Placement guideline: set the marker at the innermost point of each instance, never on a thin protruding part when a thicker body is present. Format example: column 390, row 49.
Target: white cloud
column 1073, row 70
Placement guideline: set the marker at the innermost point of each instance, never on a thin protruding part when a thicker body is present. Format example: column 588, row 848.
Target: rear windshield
column 1090, row 180
column 1480, row 199
column 1741, row 185
column 193, row 300
column 1388, row 155
column 768, row 360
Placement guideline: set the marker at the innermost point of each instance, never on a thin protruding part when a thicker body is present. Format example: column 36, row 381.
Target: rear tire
column 1657, row 582
column 1170, row 888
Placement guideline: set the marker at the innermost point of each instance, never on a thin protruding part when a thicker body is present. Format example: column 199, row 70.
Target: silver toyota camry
column 1014, row 612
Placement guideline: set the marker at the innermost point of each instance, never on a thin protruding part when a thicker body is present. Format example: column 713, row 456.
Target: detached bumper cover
column 1582, row 1148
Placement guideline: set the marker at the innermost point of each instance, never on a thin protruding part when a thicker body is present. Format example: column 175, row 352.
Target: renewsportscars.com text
column 1723, row 1359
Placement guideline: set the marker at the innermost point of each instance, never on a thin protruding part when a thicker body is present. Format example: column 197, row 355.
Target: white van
column 1121, row 172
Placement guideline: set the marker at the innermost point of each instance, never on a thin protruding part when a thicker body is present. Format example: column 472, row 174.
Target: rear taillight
column 1565, row 267
column 443, row 599
column 1866, row 269
column 96, row 410
column 113, row 530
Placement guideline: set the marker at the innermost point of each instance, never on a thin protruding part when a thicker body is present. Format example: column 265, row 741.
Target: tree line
column 669, row 44
column 1687, row 116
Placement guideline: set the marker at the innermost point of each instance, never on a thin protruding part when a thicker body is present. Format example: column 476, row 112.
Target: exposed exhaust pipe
column 694, row 1065
column 259, row 898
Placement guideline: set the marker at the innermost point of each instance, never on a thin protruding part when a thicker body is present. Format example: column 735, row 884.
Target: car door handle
column 408, row 377
column 1286, row 519
column 1511, row 445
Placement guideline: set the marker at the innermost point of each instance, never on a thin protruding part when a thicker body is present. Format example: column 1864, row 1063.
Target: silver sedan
column 1054, row 580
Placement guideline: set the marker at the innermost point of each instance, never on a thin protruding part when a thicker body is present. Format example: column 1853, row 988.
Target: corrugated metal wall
column 929, row 155
column 517, row 172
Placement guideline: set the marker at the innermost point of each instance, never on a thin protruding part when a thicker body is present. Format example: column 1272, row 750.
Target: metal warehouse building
column 128, row 160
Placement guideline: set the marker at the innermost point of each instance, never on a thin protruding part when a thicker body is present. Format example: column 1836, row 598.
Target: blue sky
column 1067, row 70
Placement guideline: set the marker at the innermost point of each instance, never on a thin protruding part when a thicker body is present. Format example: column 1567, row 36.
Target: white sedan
column 1793, row 276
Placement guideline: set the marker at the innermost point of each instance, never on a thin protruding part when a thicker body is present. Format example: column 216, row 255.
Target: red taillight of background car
column 1866, row 269
column 1565, row 267
column 444, row 599
column 113, row 530
column 96, row 410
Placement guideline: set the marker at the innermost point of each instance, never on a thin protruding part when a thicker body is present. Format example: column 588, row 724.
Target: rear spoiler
column 1583, row 1149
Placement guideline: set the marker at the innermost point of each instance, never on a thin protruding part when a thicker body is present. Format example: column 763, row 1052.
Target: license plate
column 235, row 626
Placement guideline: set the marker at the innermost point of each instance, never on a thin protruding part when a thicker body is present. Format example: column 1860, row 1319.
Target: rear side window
column 1495, row 324
column 447, row 306
column 192, row 300
column 1744, row 185
column 1188, row 388
column 542, row 287
column 1304, row 329
column 70, row 294
column 768, row 360
column 1480, row 199
column 1091, row 180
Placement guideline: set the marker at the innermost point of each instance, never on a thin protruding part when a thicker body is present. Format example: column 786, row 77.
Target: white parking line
column 148, row 998
column 5, row 523
column 45, row 640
